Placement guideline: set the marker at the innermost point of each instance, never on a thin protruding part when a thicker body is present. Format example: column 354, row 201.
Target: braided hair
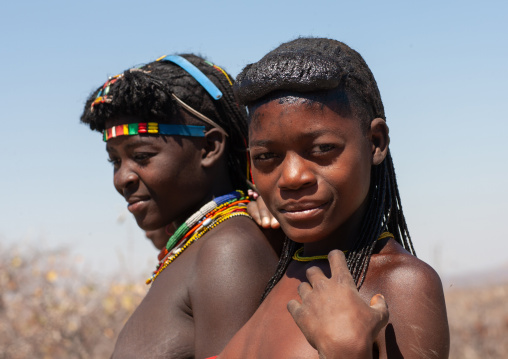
column 146, row 92
column 332, row 69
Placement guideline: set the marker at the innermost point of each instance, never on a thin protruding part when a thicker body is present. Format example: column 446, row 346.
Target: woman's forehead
column 298, row 120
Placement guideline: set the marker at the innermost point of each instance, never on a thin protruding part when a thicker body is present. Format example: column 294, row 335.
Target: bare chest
column 272, row 332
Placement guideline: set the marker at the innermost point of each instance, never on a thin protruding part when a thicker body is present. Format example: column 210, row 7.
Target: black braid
column 314, row 65
column 288, row 249
column 145, row 93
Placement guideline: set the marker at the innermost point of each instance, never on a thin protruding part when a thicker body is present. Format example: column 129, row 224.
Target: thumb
column 378, row 303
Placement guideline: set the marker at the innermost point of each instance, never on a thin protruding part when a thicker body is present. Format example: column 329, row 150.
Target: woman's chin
column 149, row 224
column 302, row 235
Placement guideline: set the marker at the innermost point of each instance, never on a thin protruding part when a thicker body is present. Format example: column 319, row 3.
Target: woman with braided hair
column 318, row 142
column 177, row 141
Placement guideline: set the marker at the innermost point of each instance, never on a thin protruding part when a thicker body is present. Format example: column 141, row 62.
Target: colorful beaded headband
column 209, row 86
column 153, row 128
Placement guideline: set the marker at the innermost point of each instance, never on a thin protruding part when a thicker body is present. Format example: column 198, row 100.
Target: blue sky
column 441, row 68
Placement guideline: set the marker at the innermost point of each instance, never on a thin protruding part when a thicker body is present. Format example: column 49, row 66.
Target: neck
column 343, row 238
column 216, row 188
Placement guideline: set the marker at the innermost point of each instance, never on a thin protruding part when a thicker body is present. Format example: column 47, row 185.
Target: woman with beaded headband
column 177, row 142
column 318, row 142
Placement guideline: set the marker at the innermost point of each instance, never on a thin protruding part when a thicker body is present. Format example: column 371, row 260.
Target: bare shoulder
column 232, row 264
column 398, row 270
column 238, row 240
column 235, row 253
column 418, row 326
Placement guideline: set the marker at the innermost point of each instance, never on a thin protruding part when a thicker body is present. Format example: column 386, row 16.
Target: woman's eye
column 142, row 157
column 114, row 161
column 263, row 156
column 322, row 148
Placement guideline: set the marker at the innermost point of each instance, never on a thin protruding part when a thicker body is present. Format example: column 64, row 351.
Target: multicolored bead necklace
column 208, row 217
column 299, row 258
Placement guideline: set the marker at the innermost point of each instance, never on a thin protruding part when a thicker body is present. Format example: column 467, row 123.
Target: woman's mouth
column 304, row 211
column 136, row 205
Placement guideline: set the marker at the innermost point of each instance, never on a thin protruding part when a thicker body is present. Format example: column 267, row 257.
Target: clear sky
column 441, row 68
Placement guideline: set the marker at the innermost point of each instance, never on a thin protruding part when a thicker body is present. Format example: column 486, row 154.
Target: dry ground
column 51, row 308
column 478, row 319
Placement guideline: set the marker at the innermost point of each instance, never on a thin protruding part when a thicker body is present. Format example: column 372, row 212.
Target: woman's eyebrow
column 138, row 142
column 299, row 137
column 261, row 143
column 110, row 149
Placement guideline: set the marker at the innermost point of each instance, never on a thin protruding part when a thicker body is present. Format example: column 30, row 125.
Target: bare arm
column 418, row 326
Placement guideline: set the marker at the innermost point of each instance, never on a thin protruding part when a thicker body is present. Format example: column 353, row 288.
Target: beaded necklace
column 205, row 219
column 299, row 258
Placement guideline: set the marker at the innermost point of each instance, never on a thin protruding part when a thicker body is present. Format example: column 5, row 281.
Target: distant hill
column 477, row 279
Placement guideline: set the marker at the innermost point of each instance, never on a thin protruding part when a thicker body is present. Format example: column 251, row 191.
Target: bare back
column 203, row 298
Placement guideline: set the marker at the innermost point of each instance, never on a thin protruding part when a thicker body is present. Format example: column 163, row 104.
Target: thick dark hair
column 317, row 65
column 145, row 92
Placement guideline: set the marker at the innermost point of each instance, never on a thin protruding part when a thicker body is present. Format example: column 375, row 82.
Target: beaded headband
column 153, row 128
column 200, row 77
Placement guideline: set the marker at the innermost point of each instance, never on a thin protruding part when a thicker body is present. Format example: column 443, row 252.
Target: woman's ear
column 379, row 140
column 214, row 148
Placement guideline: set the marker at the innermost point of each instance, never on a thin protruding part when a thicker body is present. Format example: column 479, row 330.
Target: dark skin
column 159, row 237
column 312, row 167
column 337, row 329
column 200, row 301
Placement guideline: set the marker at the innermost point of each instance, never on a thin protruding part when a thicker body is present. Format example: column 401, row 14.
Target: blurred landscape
column 52, row 307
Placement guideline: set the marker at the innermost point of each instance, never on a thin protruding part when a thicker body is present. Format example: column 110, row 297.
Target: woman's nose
column 296, row 173
column 124, row 179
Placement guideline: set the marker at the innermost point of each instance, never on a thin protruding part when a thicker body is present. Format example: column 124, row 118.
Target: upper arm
column 231, row 273
column 418, row 326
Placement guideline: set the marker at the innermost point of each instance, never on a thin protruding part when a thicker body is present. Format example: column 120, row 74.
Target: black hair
column 330, row 67
column 146, row 92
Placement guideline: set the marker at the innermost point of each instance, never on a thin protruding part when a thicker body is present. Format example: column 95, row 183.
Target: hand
column 333, row 317
column 258, row 210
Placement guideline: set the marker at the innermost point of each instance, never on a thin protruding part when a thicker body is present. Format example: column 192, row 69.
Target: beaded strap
column 220, row 70
column 153, row 128
column 299, row 258
column 200, row 214
column 206, row 218
column 174, row 254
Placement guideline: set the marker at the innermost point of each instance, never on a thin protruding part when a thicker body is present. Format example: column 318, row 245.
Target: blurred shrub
column 478, row 319
column 49, row 308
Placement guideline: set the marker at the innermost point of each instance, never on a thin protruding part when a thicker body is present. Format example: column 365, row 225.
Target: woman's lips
column 136, row 205
column 302, row 211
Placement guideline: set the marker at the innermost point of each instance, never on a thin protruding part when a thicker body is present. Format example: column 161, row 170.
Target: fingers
column 252, row 194
column 262, row 216
column 338, row 267
column 260, row 213
column 315, row 275
column 253, row 209
column 304, row 289
column 266, row 216
column 378, row 303
column 274, row 223
column 294, row 308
